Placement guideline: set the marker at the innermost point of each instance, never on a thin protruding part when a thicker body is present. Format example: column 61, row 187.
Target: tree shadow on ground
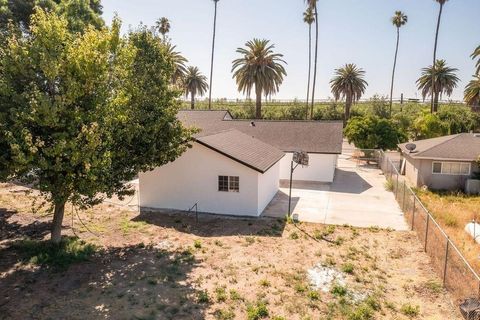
column 12, row 229
column 133, row 282
column 211, row 225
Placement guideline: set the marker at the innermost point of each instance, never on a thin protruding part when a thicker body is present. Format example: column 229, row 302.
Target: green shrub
column 388, row 185
column 410, row 310
column 339, row 290
column 265, row 283
column 222, row 314
column 348, row 268
column 313, row 295
column 197, row 244
column 362, row 312
column 294, row 235
column 202, row 297
column 234, row 295
column 58, row 256
column 221, row 294
column 257, row 311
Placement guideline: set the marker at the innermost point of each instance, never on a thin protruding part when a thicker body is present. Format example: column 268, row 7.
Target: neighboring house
column 443, row 163
column 235, row 166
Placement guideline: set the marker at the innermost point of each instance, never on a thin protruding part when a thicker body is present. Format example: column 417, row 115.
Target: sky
column 350, row 31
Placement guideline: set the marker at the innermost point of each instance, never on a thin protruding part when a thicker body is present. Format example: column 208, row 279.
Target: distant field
column 297, row 110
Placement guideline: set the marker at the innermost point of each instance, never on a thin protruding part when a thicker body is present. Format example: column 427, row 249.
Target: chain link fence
column 457, row 275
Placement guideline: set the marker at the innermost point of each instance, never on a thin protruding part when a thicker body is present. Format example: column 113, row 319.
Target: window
column 451, row 168
column 228, row 184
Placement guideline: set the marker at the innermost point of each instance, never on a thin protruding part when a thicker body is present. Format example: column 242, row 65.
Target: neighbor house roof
column 242, row 148
column 461, row 147
column 288, row 136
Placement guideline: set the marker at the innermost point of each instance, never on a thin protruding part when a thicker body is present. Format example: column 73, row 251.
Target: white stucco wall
column 321, row 168
column 268, row 184
column 193, row 178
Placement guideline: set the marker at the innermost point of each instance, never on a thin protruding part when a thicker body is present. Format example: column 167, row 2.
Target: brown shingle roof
column 463, row 146
column 242, row 148
column 288, row 136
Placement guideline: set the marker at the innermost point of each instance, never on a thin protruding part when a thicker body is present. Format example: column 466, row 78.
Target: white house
column 235, row 166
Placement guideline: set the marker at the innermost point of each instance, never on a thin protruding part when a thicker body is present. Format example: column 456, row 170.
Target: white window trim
column 452, row 174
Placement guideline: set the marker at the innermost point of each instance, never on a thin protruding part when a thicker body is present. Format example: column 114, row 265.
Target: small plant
column 250, row 240
column 299, row 287
column 410, row 310
column 265, row 283
column 202, row 297
column 279, row 318
column 218, row 243
column 434, row 286
column 362, row 312
column 339, row 241
column 388, row 185
column 221, row 294
column 223, row 314
column 235, row 296
column 197, row 244
column 348, row 268
column 257, row 311
column 339, row 290
column 288, row 219
column 294, row 235
column 313, row 295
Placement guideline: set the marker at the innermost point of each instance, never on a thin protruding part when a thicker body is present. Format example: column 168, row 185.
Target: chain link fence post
column 413, row 211
column 446, row 262
column 426, row 232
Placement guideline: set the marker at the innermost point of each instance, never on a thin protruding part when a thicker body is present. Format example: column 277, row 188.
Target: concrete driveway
column 356, row 197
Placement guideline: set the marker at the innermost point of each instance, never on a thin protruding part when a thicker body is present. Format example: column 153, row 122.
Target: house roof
column 461, row 147
column 288, row 136
column 242, row 148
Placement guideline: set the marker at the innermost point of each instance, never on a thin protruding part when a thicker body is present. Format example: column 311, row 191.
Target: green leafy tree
column 348, row 84
column 457, row 120
column 445, row 81
column 82, row 114
column 258, row 67
column 429, row 126
column 309, row 18
column 195, row 83
column 78, row 13
column 372, row 132
column 398, row 20
column 472, row 92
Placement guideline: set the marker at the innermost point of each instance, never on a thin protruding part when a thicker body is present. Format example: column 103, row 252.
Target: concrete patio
column 357, row 197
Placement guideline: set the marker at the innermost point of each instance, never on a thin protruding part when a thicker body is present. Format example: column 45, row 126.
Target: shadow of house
column 349, row 182
column 211, row 225
column 117, row 283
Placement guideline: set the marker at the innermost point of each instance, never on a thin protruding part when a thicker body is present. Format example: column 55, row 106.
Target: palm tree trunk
column 258, row 102
column 58, row 213
column 432, row 108
column 435, row 102
column 393, row 72
column 192, row 101
column 315, row 63
column 309, row 66
column 348, row 106
column 213, row 52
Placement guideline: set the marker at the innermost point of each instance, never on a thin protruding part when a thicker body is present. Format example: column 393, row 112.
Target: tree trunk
column 258, row 102
column 315, row 63
column 435, row 102
column 348, row 106
column 432, row 107
column 393, row 72
column 56, row 233
column 192, row 101
column 213, row 51
column 309, row 66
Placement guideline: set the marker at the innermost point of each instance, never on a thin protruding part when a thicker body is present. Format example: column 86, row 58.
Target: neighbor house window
column 452, row 168
column 228, row 183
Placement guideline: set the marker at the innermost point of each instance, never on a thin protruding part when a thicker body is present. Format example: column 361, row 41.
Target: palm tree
column 476, row 54
column 444, row 81
column 179, row 62
column 472, row 92
column 313, row 5
column 194, row 83
column 259, row 66
column 163, row 26
column 213, row 51
column 398, row 20
column 441, row 2
column 309, row 18
column 348, row 84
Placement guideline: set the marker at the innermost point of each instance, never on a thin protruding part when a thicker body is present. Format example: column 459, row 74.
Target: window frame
column 228, row 183
column 450, row 163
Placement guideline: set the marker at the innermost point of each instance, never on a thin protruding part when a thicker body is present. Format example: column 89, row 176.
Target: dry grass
column 159, row 266
column 453, row 211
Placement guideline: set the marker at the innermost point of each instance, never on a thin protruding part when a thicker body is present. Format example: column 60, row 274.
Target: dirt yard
column 158, row 266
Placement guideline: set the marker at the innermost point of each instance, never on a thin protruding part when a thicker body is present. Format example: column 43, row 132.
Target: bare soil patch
column 160, row 266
